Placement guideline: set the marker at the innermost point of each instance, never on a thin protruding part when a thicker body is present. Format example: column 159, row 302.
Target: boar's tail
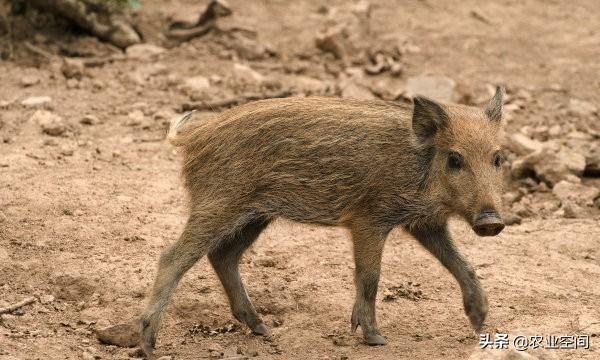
column 178, row 124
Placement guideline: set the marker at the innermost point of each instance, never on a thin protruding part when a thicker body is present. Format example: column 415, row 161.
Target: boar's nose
column 488, row 223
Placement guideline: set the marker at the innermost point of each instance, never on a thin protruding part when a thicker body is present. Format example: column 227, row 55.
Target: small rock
column 136, row 353
column 144, row 51
column 89, row 120
column 123, row 35
column 250, row 49
column 36, row 101
column 136, row 117
column 72, row 68
column 522, row 144
column 4, row 255
column 511, row 197
column 551, row 164
column 554, row 131
column 196, row 84
column 571, row 211
column 579, row 194
column 582, row 108
column 123, row 335
column 29, row 80
column 73, row 84
column 166, row 357
column 512, row 219
column 46, row 299
column 440, row 88
column 144, row 72
column 333, row 41
column 50, row 123
column 245, row 74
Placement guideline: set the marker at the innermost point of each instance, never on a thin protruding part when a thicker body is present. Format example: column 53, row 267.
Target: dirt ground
column 84, row 215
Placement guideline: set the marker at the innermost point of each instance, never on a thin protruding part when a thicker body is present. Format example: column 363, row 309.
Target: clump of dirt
column 411, row 291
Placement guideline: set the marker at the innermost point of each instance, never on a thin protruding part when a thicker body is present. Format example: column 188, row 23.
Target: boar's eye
column 455, row 160
column 498, row 159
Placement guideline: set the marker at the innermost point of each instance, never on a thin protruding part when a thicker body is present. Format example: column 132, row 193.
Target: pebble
column 196, row 84
column 123, row 335
column 29, row 80
column 50, row 123
column 582, row 108
column 144, row 51
column 72, row 68
column 36, row 101
column 136, row 117
column 89, row 120
column 577, row 193
column 245, row 74
column 46, row 299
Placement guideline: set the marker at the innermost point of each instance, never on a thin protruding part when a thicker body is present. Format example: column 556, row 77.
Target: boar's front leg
column 368, row 244
column 437, row 240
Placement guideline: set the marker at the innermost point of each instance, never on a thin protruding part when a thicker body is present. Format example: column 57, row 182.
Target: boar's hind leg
column 437, row 240
column 198, row 236
column 368, row 246
column 225, row 260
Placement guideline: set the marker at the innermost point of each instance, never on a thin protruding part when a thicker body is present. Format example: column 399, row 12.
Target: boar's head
column 466, row 169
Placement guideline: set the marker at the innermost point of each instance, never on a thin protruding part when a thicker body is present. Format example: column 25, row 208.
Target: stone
column 555, row 131
column 136, row 117
column 579, row 194
column 144, row 72
column 333, row 41
column 123, row 35
column 50, row 123
column 46, row 299
column 440, row 88
column 72, row 68
column 245, row 74
column 570, row 210
column 122, row 335
column 522, row 144
column 89, row 120
column 197, row 84
column 551, row 164
column 512, row 219
column 33, row 101
column 29, row 80
column 144, row 51
column 582, row 108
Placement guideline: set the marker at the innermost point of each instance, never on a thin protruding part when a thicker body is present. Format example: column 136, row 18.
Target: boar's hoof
column 260, row 329
column 375, row 339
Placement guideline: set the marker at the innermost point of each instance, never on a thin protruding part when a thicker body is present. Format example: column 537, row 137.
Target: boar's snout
column 488, row 223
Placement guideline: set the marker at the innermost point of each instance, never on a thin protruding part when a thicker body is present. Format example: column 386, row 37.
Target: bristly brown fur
column 366, row 165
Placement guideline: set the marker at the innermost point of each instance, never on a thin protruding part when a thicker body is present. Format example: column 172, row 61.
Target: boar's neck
column 414, row 199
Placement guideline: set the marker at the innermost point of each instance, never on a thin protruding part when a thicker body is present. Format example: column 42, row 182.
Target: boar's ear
column 494, row 108
column 428, row 117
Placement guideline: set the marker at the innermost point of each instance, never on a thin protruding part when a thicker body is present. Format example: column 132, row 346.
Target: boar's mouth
column 488, row 223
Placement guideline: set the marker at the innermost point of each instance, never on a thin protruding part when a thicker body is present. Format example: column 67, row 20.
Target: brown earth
column 84, row 215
